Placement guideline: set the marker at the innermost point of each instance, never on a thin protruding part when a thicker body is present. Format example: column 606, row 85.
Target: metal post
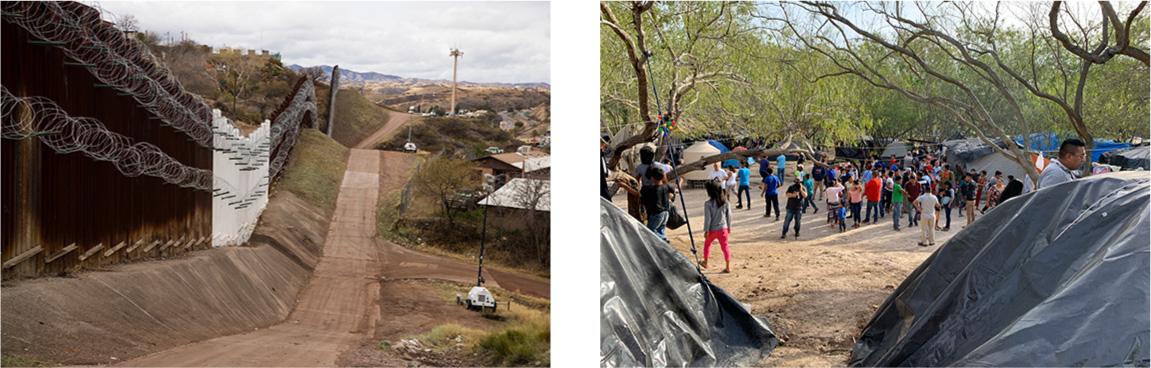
column 483, row 238
column 332, row 98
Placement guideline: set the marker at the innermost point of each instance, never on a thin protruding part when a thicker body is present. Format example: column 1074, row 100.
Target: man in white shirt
column 927, row 204
column 1072, row 154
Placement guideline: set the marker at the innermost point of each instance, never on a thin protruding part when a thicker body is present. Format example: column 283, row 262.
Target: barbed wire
column 286, row 127
column 115, row 60
column 40, row 117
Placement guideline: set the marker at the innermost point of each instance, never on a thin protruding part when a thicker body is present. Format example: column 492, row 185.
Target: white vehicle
column 480, row 299
column 495, row 150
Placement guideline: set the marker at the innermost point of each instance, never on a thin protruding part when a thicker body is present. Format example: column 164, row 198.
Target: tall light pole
column 455, row 54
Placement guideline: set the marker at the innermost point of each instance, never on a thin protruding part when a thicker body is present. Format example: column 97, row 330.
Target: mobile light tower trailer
column 479, row 298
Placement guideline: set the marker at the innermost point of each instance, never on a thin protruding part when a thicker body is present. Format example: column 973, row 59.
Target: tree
column 692, row 56
column 533, row 195
column 919, row 57
column 236, row 75
column 444, row 178
column 129, row 24
column 315, row 73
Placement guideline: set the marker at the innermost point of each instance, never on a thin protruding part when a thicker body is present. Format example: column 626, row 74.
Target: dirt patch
column 816, row 292
column 131, row 310
column 425, row 306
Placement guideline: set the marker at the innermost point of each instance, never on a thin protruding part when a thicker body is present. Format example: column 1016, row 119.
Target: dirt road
column 339, row 308
column 816, row 292
column 396, row 119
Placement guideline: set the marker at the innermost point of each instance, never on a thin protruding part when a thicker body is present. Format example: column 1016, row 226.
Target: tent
column 1001, row 162
column 1130, row 158
column 718, row 145
column 1049, row 143
column 970, row 149
column 896, row 147
column 694, row 153
column 657, row 310
column 1055, row 277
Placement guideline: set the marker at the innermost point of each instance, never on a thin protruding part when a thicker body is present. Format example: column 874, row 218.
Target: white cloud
column 501, row 41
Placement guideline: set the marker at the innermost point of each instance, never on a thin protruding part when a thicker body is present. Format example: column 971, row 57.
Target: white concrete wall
column 240, row 165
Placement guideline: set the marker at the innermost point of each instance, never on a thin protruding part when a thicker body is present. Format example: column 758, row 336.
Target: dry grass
column 315, row 169
column 356, row 117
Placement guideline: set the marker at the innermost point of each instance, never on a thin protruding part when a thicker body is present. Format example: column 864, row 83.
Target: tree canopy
column 828, row 73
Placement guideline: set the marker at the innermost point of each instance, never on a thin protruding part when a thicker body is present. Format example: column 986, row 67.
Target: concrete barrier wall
column 240, row 193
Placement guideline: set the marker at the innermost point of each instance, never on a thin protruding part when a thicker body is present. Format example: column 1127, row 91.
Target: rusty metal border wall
column 65, row 211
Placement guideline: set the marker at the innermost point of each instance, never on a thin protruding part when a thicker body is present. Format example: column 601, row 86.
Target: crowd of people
column 920, row 189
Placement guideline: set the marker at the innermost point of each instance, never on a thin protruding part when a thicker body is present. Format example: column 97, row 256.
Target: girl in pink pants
column 716, row 224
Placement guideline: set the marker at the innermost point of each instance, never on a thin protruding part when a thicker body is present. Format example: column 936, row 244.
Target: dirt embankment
column 131, row 310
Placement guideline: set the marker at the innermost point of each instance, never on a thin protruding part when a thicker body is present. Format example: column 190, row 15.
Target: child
column 841, row 216
column 716, row 224
column 656, row 200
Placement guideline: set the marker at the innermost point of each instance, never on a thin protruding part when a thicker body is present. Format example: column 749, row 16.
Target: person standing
column 781, row 166
column 993, row 184
column 731, row 184
column 855, row 198
column 980, row 179
column 913, row 190
column 817, row 173
column 716, row 224
column 809, row 186
column 967, row 189
column 897, row 195
column 946, row 199
column 832, row 196
column 795, row 194
column 1072, row 154
column 873, row 190
column 1014, row 188
column 764, row 166
column 744, row 177
column 993, row 196
column 888, row 186
column 927, row 204
column 717, row 174
column 656, row 200
column 771, row 194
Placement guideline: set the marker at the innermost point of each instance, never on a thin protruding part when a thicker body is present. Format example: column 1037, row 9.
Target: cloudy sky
column 501, row 41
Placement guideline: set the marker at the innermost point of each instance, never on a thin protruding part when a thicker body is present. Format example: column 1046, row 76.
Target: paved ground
column 339, row 309
column 395, row 121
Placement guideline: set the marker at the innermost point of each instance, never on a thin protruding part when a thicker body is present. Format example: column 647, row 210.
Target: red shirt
column 872, row 189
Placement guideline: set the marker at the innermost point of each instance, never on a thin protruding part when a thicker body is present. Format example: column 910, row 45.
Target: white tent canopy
column 696, row 152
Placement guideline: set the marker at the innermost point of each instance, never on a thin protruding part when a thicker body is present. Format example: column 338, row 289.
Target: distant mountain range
column 348, row 75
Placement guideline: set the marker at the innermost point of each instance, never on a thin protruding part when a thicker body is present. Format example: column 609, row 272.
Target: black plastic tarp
column 656, row 310
column 970, row 149
column 1130, row 158
column 1057, row 277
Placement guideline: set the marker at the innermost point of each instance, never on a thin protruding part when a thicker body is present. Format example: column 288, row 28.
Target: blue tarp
column 719, row 146
column 1049, row 144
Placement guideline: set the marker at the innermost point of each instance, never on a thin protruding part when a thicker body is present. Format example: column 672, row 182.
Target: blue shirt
column 781, row 161
column 867, row 176
column 772, row 184
column 764, row 165
column 744, row 177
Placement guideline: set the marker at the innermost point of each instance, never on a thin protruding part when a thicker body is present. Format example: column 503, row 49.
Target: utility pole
column 455, row 54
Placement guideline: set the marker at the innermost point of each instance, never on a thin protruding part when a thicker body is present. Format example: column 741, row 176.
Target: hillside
column 456, row 136
column 356, row 117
